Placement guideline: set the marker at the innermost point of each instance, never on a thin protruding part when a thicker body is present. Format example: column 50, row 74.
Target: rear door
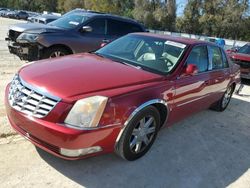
column 192, row 91
column 220, row 72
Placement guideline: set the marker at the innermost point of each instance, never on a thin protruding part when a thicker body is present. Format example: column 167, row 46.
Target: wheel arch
column 60, row 46
column 160, row 104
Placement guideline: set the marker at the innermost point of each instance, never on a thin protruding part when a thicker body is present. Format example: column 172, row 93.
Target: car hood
column 34, row 28
column 240, row 56
column 80, row 74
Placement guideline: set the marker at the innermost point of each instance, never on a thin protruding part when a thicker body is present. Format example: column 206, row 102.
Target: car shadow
column 244, row 83
column 209, row 149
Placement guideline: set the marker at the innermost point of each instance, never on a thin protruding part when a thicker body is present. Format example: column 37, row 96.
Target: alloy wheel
column 226, row 97
column 56, row 54
column 143, row 134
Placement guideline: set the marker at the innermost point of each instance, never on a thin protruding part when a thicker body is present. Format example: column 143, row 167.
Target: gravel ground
column 9, row 64
column 209, row 149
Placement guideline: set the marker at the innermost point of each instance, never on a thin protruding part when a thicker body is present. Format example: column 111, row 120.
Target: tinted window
column 199, row 57
column 49, row 20
column 216, row 56
column 122, row 28
column 244, row 49
column 41, row 21
column 98, row 26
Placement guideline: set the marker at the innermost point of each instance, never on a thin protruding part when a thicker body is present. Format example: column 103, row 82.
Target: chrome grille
column 28, row 100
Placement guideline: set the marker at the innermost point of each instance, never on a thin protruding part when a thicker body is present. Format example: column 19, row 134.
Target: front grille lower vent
column 29, row 101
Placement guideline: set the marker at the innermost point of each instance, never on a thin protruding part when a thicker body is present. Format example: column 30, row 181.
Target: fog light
column 79, row 152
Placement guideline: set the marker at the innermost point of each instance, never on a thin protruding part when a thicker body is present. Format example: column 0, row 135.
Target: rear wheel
column 139, row 135
column 222, row 104
column 55, row 52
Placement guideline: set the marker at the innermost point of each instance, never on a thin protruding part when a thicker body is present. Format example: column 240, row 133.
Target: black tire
column 222, row 104
column 48, row 53
column 131, row 147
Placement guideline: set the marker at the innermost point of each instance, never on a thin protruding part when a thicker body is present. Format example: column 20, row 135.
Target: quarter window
column 217, row 61
column 199, row 57
column 225, row 61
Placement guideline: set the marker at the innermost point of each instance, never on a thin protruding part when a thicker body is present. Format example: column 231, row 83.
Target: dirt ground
column 209, row 149
column 9, row 64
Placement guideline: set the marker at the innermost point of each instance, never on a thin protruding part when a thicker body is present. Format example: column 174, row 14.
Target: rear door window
column 119, row 28
column 216, row 57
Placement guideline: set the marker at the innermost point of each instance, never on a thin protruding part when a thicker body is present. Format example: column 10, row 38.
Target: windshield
column 149, row 53
column 244, row 49
column 70, row 21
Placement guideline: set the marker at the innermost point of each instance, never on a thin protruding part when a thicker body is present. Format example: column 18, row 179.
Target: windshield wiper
column 116, row 60
column 134, row 66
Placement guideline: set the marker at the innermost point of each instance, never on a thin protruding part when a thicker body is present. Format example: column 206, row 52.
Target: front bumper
column 52, row 137
column 28, row 52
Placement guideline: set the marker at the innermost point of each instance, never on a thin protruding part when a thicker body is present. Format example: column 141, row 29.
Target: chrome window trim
column 138, row 109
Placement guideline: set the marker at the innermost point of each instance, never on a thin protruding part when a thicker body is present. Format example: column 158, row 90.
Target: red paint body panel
column 243, row 57
column 82, row 75
column 244, row 61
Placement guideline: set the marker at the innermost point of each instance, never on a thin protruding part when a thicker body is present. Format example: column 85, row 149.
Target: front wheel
column 55, row 52
column 139, row 135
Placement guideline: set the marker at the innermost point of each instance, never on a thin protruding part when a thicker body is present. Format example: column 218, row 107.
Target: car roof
column 106, row 15
column 175, row 38
column 117, row 17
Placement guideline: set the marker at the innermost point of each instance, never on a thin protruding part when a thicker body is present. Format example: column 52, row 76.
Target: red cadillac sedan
column 118, row 98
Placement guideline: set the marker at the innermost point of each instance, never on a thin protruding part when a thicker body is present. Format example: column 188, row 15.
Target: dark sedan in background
column 76, row 32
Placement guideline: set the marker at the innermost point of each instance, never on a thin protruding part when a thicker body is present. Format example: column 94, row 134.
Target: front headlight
column 27, row 37
column 86, row 113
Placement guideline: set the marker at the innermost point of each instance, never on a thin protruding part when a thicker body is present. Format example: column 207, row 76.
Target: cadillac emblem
column 18, row 96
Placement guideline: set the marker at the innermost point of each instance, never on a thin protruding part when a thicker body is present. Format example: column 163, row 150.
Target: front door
column 91, row 41
column 192, row 91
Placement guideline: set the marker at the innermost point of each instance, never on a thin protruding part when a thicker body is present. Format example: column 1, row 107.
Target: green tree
column 67, row 5
column 189, row 22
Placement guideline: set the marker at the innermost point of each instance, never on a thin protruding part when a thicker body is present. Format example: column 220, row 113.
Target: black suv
column 73, row 33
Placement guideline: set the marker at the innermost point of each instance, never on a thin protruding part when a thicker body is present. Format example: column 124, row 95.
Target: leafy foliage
column 221, row 18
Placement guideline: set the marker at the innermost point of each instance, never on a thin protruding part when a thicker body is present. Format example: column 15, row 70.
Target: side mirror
column 191, row 69
column 87, row 29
